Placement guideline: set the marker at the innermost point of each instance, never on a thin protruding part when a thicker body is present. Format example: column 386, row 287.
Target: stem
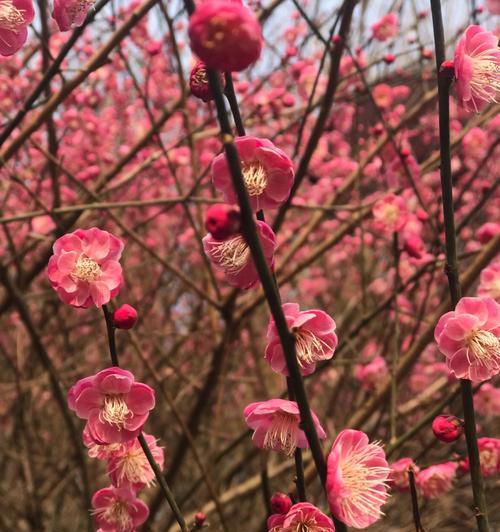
column 395, row 357
column 414, row 501
column 444, row 82
column 233, row 104
column 110, row 327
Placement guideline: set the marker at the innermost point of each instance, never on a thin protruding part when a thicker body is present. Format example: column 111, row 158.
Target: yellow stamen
column 115, row 410
column 11, row 18
column 86, row 269
column 283, row 433
column 255, row 178
column 232, row 255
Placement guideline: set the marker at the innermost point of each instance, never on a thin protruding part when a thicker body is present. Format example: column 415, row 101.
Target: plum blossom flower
column 357, row 476
column 469, row 337
column 70, row 14
column 436, row 480
column 222, row 220
column 315, row 339
column 477, row 68
column 225, row 35
column 199, row 84
column 115, row 406
column 371, row 374
column 232, row 255
column 386, row 28
column 390, row 213
column 15, row 16
column 489, row 456
column 489, row 282
column 84, row 269
column 267, row 171
column 487, row 400
column 302, row 516
column 118, row 509
column 276, row 425
column 399, row 479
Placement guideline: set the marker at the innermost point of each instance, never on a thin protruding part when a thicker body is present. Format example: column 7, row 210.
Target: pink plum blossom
column 469, row 338
column 489, row 456
column 390, row 213
column 276, row 425
column 84, row 269
column 386, row 28
column 399, row 479
column 232, row 255
column 15, row 16
column 357, row 476
column 315, row 339
column 487, row 400
column 371, row 374
column 489, row 284
column 118, row 509
column 436, row 480
column 302, row 516
column 267, row 171
column 477, row 68
column 115, row 406
column 70, row 14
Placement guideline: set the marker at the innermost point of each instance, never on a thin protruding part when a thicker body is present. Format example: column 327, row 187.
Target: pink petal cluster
column 390, row 213
column 232, row 255
column 357, row 476
column 489, row 284
column 225, row 35
column 118, row 510
column 15, row 17
column 85, row 269
column 267, row 171
column 477, row 68
column 469, row 337
column 70, row 14
column 276, row 425
column 315, row 339
column 301, row 516
column 114, row 405
column 386, row 28
column 399, row 473
column 371, row 374
column 436, row 480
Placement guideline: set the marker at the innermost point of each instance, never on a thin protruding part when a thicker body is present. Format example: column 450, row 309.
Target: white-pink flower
column 436, row 480
column 85, row 269
column 399, row 479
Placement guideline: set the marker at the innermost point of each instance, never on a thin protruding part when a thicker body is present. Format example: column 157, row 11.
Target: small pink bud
column 389, row 58
column 222, row 220
column 448, row 65
column 198, row 82
column 125, row 317
column 426, row 53
column 447, row 428
column 199, row 519
column 280, row 503
column 288, row 100
column 336, row 39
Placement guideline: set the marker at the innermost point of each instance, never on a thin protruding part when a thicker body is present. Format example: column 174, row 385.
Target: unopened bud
column 222, row 220
column 280, row 503
column 125, row 317
column 447, row 428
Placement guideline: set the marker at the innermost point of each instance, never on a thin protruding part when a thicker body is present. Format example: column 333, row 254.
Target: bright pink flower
column 85, row 269
column 477, row 68
column 267, row 171
column 70, row 14
column 222, row 220
column 118, row 509
column 128, row 465
column 399, row 473
column 225, row 35
column 302, row 516
column 447, row 428
column 125, row 317
column 386, row 28
column 357, row 475
column 371, row 374
column 233, row 257
column 315, row 339
column 489, row 285
column 390, row 213
column 436, row 480
column 276, row 425
column 15, row 16
column 115, row 406
column 469, row 337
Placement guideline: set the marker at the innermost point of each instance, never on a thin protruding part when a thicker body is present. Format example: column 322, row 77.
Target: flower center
column 255, row 178
column 283, row 433
column 485, row 346
column 486, row 75
column 117, row 513
column 308, row 346
column 488, row 459
column 86, row 269
column 115, row 410
column 232, row 255
column 135, row 468
column 79, row 7
column 11, row 18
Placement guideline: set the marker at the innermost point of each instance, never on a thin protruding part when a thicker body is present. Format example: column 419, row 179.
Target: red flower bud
column 389, row 58
column 199, row 519
column 447, row 428
column 125, row 317
column 280, row 503
column 222, row 220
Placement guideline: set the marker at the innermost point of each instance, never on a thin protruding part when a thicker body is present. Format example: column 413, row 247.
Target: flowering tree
column 250, row 265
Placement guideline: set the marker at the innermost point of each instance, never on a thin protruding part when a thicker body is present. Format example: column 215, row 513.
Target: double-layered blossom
column 84, row 268
column 276, row 425
column 15, row 16
column 315, row 339
column 399, row 478
column 477, row 68
column 115, row 406
column 118, row 509
column 357, row 476
column 70, row 14
column 232, row 255
column 267, row 171
column 301, row 517
column 225, row 35
column 436, row 480
column 469, row 337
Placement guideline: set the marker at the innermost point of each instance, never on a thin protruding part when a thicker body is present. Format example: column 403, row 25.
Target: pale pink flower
column 315, row 339
column 70, row 14
column 302, row 516
column 477, row 68
column 232, row 255
column 371, row 374
column 118, row 509
column 390, row 213
column 386, row 28
column 487, row 400
column 267, row 171
column 469, row 338
column 436, row 480
column 85, row 269
column 489, row 285
column 357, row 476
column 276, row 425
column 115, row 406
column 493, row 6
column 399, row 479
column 489, row 456
column 15, row 16
column 225, row 35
